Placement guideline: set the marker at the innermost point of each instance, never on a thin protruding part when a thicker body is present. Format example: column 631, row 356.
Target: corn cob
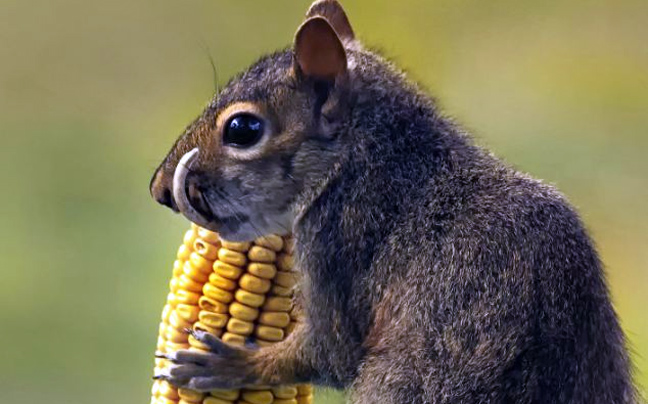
column 235, row 291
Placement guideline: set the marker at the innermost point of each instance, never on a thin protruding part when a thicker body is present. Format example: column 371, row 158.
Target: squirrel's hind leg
column 386, row 380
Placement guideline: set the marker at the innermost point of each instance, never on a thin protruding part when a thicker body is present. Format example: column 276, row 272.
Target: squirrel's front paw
column 224, row 367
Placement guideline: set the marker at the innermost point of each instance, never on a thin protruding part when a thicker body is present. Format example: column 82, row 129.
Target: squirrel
column 432, row 272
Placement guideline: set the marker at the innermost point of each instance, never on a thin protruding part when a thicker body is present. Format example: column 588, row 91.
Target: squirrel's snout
column 181, row 191
column 186, row 194
column 162, row 191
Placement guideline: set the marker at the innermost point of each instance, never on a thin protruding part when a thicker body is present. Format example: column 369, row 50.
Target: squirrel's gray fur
column 433, row 272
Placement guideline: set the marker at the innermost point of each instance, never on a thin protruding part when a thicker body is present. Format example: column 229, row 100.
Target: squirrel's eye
column 243, row 130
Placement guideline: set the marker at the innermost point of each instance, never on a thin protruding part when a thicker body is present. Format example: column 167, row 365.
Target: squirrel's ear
column 318, row 51
column 335, row 15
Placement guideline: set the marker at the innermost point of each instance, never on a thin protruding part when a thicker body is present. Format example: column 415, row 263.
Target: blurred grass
column 93, row 93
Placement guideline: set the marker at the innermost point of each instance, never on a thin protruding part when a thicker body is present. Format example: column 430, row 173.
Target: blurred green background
column 93, row 93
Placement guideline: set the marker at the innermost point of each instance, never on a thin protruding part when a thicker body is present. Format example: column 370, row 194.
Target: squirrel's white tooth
column 179, row 189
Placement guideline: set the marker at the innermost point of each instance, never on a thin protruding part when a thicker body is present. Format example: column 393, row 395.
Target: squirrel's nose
column 161, row 191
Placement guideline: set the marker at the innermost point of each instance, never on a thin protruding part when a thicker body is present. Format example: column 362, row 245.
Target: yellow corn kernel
column 168, row 391
column 200, row 326
column 171, row 299
column 186, row 297
column 272, row 241
column 155, row 389
column 215, row 320
column 217, row 294
column 185, row 282
column 274, row 318
column 285, row 279
column 285, row 401
column 225, row 394
column 232, row 257
column 205, row 249
column 162, row 327
column 234, row 291
column 222, row 282
column 188, row 313
column 194, row 273
column 215, row 400
column 291, row 327
column 254, row 284
column 172, row 346
column 160, row 363
column 227, row 270
column 249, row 298
column 304, row 389
column 233, row 339
column 236, row 246
column 285, row 262
column 243, row 312
column 190, row 395
column 240, row 327
column 183, row 253
column 261, row 254
column 277, row 290
column 277, row 303
column 269, row 333
column 284, row 392
column 166, row 312
column 262, row 270
column 304, row 400
column 257, row 397
column 208, row 236
column 189, row 238
column 177, row 267
column 185, row 402
column 194, row 343
column 212, row 305
column 160, row 342
column 201, row 263
column 164, row 400
column 178, row 322
column 175, row 335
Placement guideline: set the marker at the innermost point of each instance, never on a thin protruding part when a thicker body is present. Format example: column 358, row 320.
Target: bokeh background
column 93, row 93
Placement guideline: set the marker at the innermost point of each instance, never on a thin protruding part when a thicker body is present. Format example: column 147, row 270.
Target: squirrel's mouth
column 190, row 200
column 194, row 206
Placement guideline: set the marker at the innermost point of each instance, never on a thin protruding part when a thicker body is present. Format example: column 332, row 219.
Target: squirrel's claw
column 223, row 367
column 162, row 374
column 161, row 355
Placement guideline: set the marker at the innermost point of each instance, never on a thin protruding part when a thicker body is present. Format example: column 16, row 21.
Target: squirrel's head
column 270, row 137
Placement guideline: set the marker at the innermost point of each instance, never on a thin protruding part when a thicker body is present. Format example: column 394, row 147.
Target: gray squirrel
column 432, row 271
